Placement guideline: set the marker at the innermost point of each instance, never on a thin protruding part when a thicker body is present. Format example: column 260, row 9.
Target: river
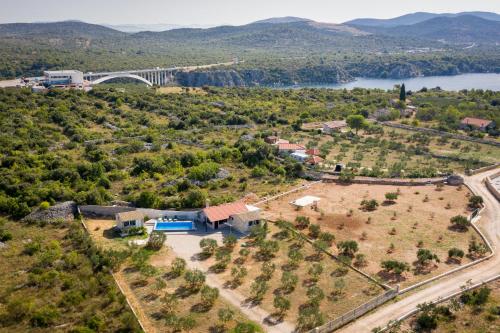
column 485, row 81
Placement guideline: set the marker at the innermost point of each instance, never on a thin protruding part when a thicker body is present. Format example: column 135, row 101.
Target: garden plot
column 419, row 219
column 287, row 277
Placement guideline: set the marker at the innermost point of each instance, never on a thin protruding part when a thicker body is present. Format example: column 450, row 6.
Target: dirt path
column 134, row 303
column 186, row 247
column 489, row 223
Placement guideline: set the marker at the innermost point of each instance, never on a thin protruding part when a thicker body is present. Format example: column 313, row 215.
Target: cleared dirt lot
column 413, row 217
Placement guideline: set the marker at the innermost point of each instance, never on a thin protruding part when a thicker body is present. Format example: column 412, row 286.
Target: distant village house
column 484, row 125
column 334, row 126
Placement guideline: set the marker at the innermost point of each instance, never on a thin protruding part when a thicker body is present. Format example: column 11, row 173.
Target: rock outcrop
column 62, row 211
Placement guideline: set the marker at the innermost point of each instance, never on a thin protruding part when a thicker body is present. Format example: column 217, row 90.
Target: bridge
column 153, row 76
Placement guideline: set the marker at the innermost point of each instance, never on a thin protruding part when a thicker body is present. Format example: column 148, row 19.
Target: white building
column 300, row 156
column 64, row 78
column 238, row 215
column 127, row 220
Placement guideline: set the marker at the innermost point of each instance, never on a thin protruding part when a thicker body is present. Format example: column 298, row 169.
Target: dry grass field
column 145, row 292
column 356, row 289
column 421, row 213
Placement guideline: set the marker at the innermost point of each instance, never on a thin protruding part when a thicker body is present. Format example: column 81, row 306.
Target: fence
column 492, row 187
column 483, row 169
column 387, row 181
column 356, row 313
column 441, row 133
column 297, row 189
column 439, row 300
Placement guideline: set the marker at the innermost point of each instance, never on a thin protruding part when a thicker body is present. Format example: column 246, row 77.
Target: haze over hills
column 456, row 29
column 418, row 17
column 280, row 50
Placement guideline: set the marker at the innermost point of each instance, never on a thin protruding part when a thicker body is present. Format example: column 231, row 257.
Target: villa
column 237, row 215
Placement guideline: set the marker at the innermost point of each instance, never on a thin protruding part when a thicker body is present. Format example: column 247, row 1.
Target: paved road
column 489, row 224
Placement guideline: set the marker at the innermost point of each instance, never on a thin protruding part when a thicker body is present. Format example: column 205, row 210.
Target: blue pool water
column 174, row 226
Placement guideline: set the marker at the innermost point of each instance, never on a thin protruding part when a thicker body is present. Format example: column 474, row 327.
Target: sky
column 216, row 12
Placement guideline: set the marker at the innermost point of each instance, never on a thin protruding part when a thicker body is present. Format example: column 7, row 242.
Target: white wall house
column 127, row 220
column 235, row 214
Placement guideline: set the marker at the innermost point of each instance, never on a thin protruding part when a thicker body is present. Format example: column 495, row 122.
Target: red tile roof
column 313, row 152
column 290, row 146
column 476, row 122
column 224, row 211
column 315, row 160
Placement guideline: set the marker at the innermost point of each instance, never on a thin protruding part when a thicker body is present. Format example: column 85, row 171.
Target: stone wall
column 111, row 211
column 356, row 313
column 103, row 211
column 387, row 181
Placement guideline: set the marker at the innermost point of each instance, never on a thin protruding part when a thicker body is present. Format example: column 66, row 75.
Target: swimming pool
column 175, row 226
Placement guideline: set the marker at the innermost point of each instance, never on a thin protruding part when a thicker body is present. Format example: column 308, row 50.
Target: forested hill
column 460, row 29
column 66, row 29
column 278, row 51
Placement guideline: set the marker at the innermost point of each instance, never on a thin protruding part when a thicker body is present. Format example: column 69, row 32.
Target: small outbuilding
column 127, row 220
column 308, row 200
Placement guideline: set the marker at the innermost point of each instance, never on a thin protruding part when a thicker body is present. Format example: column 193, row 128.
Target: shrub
column 44, row 205
column 178, row 267
column 424, row 257
column 302, row 222
column 5, row 236
column 455, row 253
column 230, row 241
column 314, row 230
column 476, row 297
column 289, row 281
column 460, row 222
column 208, row 246
column 156, row 240
column 44, row 316
column 194, row 279
column 348, row 248
column 281, row 304
column 315, row 271
column 315, row 295
column 475, row 201
column 398, row 267
column 369, row 205
column 258, row 289
column 208, row 296
column 267, row 270
column 391, row 197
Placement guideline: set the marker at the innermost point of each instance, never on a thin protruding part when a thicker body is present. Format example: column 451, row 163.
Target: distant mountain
column 66, row 29
column 457, row 29
column 134, row 28
column 415, row 18
column 286, row 19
